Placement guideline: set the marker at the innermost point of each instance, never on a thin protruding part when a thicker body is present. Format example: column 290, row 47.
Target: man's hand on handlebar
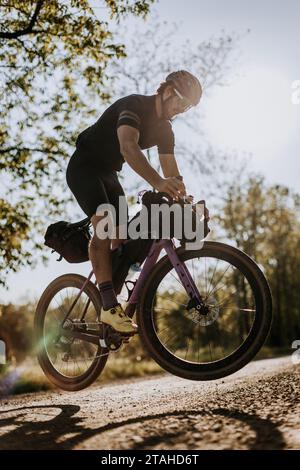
column 172, row 186
column 189, row 199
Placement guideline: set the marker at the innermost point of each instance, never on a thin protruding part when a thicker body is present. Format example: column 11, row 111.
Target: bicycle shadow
column 66, row 430
column 267, row 434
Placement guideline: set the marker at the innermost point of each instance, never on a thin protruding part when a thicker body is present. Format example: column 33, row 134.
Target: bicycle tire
column 61, row 381
column 240, row 357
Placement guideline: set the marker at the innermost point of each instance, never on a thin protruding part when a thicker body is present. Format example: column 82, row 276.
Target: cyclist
column 128, row 126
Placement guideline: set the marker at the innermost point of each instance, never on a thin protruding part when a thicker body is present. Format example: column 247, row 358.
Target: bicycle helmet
column 186, row 86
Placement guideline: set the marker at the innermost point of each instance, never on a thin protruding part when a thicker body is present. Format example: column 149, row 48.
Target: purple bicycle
column 202, row 314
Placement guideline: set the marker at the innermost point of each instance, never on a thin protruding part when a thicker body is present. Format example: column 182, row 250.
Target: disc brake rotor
column 205, row 315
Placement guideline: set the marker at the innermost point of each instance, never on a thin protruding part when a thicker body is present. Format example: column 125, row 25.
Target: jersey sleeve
column 166, row 141
column 130, row 113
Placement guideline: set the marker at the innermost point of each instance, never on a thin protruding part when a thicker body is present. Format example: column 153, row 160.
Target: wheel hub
column 203, row 314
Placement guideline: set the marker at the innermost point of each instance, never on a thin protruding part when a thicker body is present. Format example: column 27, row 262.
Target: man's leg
column 100, row 256
column 117, row 241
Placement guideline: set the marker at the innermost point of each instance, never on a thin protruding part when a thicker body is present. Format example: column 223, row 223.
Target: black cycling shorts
column 91, row 187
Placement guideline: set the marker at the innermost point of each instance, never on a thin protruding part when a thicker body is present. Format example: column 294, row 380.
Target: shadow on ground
column 61, row 427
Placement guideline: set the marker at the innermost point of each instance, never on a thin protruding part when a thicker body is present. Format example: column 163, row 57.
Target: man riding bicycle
column 128, row 126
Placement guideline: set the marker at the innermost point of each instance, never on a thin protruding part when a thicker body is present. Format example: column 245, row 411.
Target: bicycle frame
column 179, row 266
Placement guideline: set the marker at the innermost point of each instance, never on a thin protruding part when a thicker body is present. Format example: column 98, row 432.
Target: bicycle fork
column 185, row 277
column 179, row 266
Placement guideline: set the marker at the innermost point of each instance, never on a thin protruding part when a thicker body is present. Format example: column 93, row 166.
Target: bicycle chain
column 100, row 355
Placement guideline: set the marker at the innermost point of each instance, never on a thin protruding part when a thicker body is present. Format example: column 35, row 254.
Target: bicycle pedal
column 126, row 339
column 112, row 338
column 128, row 335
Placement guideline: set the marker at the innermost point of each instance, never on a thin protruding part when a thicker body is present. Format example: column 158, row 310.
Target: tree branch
column 29, row 29
column 28, row 149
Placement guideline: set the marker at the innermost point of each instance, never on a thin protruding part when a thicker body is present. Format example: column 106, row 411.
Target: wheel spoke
column 224, row 301
column 210, row 282
column 211, row 360
column 170, row 337
column 239, row 308
column 216, row 333
column 187, row 349
column 214, row 289
column 76, row 350
column 179, row 282
column 198, row 343
column 205, row 275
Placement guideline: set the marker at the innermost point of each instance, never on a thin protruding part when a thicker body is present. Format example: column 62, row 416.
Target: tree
column 264, row 222
column 16, row 329
column 53, row 60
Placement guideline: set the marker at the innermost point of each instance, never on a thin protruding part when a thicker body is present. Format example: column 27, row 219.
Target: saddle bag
column 70, row 241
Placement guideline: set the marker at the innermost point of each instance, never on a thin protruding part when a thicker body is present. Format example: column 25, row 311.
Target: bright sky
column 254, row 113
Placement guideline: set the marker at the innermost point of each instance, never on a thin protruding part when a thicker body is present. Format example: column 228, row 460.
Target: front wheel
column 229, row 331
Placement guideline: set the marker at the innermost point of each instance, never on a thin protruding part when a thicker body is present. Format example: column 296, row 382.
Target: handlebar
column 183, row 199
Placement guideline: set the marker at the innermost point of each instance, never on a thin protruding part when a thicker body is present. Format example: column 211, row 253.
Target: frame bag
column 70, row 241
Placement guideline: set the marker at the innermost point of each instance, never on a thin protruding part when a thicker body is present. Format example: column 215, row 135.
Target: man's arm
column 128, row 138
column 169, row 165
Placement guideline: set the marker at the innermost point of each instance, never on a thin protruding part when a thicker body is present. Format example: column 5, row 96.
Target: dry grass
column 29, row 378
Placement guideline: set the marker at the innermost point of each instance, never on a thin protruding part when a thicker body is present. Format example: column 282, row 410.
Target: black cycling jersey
column 92, row 170
column 99, row 143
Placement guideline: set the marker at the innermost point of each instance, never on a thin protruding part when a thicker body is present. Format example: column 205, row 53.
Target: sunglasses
column 185, row 103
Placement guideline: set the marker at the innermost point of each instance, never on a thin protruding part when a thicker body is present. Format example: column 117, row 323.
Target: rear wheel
column 71, row 364
column 230, row 329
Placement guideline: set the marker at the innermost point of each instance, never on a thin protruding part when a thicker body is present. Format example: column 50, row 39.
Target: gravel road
column 256, row 408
